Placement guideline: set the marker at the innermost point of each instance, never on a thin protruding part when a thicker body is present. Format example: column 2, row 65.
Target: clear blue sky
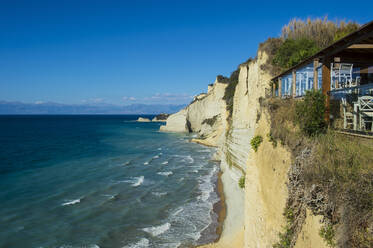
column 138, row 51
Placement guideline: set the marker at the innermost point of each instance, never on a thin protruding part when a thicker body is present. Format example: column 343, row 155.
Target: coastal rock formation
column 141, row 119
column 176, row 122
column 254, row 214
column 161, row 117
column 204, row 115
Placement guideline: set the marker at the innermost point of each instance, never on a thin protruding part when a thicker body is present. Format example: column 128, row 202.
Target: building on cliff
column 343, row 72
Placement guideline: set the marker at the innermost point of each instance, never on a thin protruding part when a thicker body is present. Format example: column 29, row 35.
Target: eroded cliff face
column 254, row 214
column 205, row 116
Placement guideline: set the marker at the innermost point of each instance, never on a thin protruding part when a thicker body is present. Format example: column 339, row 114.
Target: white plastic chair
column 348, row 117
column 356, row 82
column 366, row 111
column 345, row 74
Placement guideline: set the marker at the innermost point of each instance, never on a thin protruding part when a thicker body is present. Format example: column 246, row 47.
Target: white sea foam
column 146, row 163
column 165, row 162
column 72, row 202
column 159, row 149
column 156, row 156
column 206, row 186
column 195, row 216
column 178, row 211
column 165, row 173
column 110, row 197
column 157, row 230
column 190, row 159
column 159, row 194
column 70, row 246
column 139, row 181
column 127, row 163
column 187, row 158
column 143, row 243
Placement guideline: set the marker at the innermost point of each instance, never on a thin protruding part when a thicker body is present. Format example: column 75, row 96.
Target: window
column 286, row 83
column 304, row 79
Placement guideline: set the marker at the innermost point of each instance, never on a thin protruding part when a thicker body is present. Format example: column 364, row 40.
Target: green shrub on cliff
column 241, row 182
column 272, row 140
column 287, row 235
column 311, row 113
column 303, row 38
column 210, row 121
column 327, row 233
column 229, row 92
column 291, row 52
column 255, row 142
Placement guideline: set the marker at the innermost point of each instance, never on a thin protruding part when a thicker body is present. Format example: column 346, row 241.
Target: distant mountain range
column 57, row 108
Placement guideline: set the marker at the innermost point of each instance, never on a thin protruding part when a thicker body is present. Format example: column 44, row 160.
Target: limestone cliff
column 254, row 214
column 205, row 115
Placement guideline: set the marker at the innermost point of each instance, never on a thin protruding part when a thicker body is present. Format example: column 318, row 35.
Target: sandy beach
column 230, row 211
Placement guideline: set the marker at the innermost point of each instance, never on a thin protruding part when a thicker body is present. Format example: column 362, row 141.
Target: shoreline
column 220, row 209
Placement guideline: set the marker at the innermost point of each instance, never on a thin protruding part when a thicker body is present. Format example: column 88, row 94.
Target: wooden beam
column 361, row 46
column 273, row 89
column 326, row 88
column 315, row 73
column 294, row 84
column 279, row 87
column 355, row 57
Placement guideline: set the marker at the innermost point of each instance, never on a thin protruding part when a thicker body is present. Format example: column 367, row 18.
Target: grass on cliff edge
column 341, row 166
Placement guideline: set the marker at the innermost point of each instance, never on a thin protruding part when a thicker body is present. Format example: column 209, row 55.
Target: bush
column 229, row 92
column 343, row 166
column 287, row 235
column 241, row 182
column 291, row 52
column 340, row 167
column 327, row 233
column 222, row 79
column 320, row 30
column 210, row 121
column 255, row 142
column 311, row 113
column 283, row 121
column 272, row 140
column 345, row 29
column 303, row 38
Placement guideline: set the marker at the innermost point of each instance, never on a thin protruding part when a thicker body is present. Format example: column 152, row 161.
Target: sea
column 103, row 181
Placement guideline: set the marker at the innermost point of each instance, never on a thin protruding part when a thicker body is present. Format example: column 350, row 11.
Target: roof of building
column 360, row 41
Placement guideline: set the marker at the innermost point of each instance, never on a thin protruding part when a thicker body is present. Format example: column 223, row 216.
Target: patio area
column 351, row 92
column 352, row 111
column 344, row 74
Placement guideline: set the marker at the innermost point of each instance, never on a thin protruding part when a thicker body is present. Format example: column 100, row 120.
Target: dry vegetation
column 300, row 39
column 320, row 30
column 334, row 179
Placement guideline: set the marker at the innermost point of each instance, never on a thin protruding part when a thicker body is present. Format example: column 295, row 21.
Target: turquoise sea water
column 102, row 181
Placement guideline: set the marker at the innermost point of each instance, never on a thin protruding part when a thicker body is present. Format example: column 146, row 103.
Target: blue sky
column 124, row 52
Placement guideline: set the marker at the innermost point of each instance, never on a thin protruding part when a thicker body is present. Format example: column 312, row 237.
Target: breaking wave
column 157, row 230
column 165, row 173
column 143, row 243
column 72, row 202
column 139, row 181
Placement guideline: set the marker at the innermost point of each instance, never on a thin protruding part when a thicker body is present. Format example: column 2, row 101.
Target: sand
column 230, row 212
